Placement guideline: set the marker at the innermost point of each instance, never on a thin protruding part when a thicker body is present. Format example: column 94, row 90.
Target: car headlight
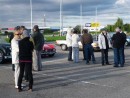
column 95, row 44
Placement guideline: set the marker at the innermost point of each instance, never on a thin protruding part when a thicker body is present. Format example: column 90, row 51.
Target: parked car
column 48, row 50
column 5, row 50
column 63, row 44
column 127, row 41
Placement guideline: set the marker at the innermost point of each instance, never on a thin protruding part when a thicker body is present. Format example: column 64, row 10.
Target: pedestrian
column 104, row 44
column 24, row 29
column 75, row 46
column 15, row 53
column 118, row 47
column 124, row 35
column 86, row 41
column 38, row 46
column 69, row 43
column 25, row 59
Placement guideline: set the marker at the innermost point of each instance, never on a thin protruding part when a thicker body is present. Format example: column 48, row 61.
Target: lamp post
column 61, row 18
column 44, row 20
column 81, row 17
column 31, row 14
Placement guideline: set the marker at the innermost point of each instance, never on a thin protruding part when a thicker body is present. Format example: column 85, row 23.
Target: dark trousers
column 123, row 53
column 119, row 56
column 13, row 67
column 84, row 53
column 88, row 52
column 70, row 53
column 29, row 73
column 104, row 55
column 26, row 73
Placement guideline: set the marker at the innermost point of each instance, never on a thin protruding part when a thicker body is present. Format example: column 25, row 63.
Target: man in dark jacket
column 38, row 45
column 118, row 47
column 86, row 41
column 25, row 59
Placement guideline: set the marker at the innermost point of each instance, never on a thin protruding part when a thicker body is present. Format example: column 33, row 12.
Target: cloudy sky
column 17, row 12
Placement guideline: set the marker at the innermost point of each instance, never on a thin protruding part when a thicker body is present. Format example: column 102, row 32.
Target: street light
column 81, row 7
column 61, row 18
column 31, row 14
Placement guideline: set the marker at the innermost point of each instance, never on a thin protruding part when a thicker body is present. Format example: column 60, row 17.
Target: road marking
column 55, row 61
column 73, row 80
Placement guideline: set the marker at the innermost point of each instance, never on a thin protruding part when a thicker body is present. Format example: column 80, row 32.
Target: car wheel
column 126, row 43
column 64, row 47
column 1, row 57
column 51, row 55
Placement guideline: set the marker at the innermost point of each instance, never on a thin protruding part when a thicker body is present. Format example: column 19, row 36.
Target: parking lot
column 62, row 79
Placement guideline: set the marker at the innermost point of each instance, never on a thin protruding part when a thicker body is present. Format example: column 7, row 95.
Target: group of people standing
column 26, row 56
column 105, row 41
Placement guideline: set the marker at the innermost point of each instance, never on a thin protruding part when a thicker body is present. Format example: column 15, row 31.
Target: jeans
column 104, row 55
column 29, row 73
column 70, row 53
column 92, row 53
column 75, row 51
column 89, row 52
column 119, row 56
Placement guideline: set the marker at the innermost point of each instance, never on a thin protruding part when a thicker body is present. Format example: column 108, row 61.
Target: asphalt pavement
column 62, row 79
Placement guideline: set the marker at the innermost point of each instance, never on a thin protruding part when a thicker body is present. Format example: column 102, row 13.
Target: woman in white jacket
column 69, row 43
column 75, row 46
column 15, row 53
column 104, row 44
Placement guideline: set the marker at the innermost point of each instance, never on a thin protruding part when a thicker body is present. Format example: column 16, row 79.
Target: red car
column 48, row 50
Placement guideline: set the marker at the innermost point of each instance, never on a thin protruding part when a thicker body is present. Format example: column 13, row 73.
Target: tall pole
column 96, row 20
column 61, row 20
column 31, row 14
column 44, row 21
column 96, row 15
column 81, row 7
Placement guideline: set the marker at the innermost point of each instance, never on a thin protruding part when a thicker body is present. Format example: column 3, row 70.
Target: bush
column 47, row 31
column 54, row 38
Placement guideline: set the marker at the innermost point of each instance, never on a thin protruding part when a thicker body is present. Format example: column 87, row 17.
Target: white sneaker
column 16, row 86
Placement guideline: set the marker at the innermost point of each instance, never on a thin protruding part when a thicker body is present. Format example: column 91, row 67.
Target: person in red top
column 25, row 59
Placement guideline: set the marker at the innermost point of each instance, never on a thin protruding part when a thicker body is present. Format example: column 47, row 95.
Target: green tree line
column 119, row 23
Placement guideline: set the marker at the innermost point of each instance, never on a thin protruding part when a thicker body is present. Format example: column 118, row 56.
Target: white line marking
column 55, row 61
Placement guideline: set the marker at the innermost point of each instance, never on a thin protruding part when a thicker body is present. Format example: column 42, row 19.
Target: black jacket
column 118, row 40
column 38, row 41
column 25, row 49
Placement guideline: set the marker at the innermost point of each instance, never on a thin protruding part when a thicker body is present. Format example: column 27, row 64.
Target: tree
column 78, row 28
column 119, row 23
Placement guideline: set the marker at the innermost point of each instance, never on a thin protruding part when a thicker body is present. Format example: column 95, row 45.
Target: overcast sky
column 17, row 12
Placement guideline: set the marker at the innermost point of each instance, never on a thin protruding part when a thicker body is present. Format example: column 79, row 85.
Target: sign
column 88, row 25
column 95, row 24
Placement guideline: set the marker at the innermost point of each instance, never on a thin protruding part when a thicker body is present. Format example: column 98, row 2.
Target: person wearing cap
column 104, row 44
column 15, row 53
column 118, row 47
column 38, row 46
column 25, row 59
